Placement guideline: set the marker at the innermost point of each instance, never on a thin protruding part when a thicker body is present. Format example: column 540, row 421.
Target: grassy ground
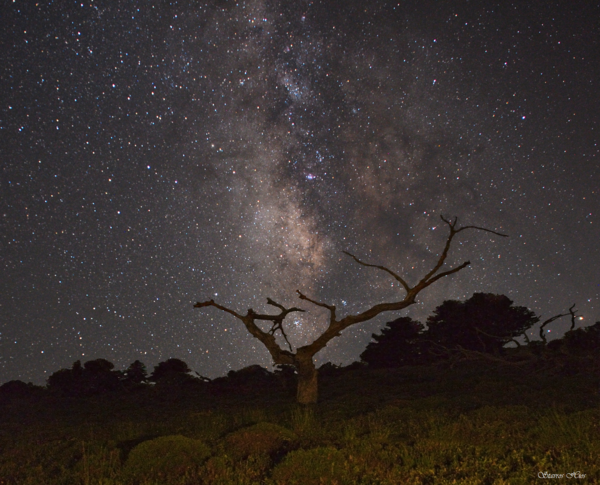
column 474, row 424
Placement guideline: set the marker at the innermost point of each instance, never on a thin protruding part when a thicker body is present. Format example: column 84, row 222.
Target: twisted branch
column 337, row 326
column 383, row 268
column 331, row 308
column 279, row 355
column 573, row 313
column 278, row 324
column 556, row 317
column 427, row 279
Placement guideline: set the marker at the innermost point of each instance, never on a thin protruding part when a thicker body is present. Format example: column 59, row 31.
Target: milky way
column 156, row 154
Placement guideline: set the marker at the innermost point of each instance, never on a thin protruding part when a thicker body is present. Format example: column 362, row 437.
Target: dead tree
column 302, row 358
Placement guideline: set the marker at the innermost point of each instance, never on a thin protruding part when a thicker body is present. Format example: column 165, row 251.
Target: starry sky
column 156, row 153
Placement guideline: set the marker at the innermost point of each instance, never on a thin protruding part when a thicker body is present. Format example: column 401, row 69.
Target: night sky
column 155, row 154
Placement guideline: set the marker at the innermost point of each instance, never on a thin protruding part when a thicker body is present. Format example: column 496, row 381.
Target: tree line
column 485, row 326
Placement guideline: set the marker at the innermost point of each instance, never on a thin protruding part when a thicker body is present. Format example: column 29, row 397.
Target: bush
column 166, row 457
column 315, row 466
column 263, row 437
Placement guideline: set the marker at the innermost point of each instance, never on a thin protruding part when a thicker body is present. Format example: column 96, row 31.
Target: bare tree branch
column 383, row 268
column 275, row 318
column 331, row 308
column 454, row 355
column 302, row 359
column 279, row 326
column 573, row 313
column 546, row 322
column 449, row 272
column 476, row 355
column 500, row 339
column 337, row 326
column 427, row 279
column 279, row 355
column 444, row 255
column 275, row 304
column 482, row 229
column 216, row 305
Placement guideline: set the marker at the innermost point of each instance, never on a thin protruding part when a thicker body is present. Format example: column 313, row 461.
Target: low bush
column 166, row 457
column 267, row 438
column 315, row 466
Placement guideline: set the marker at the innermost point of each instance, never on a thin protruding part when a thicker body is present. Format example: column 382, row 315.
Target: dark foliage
column 401, row 342
column 377, row 419
column 19, row 389
column 94, row 377
column 247, row 380
column 67, row 381
column 398, row 345
column 99, row 377
column 329, row 368
column 577, row 352
column 98, row 366
column 136, row 373
column 286, row 376
column 485, row 323
column 252, row 373
column 582, row 341
column 174, row 379
column 170, row 369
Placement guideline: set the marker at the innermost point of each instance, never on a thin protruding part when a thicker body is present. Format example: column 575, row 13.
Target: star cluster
column 159, row 153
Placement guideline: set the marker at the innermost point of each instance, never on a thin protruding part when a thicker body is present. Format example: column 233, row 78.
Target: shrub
column 315, row 466
column 263, row 437
column 167, row 456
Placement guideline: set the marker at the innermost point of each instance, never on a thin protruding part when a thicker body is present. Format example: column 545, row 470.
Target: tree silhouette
column 397, row 345
column 302, row 358
column 67, row 381
column 98, row 376
column 582, row 341
column 169, row 370
column 18, row 389
column 484, row 323
column 95, row 376
column 136, row 373
column 98, row 366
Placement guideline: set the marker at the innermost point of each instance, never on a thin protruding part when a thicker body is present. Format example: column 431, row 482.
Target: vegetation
column 400, row 343
column 302, row 357
column 481, row 325
column 468, row 420
column 165, row 458
column 485, row 322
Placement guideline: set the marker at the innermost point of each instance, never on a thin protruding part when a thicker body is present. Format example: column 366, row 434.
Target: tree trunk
column 308, row 387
